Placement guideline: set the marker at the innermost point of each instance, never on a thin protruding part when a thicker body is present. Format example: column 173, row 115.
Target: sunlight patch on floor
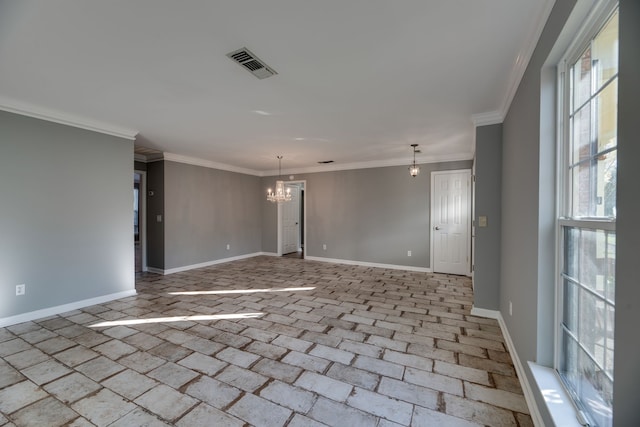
column 243, row 291
column 202, row 317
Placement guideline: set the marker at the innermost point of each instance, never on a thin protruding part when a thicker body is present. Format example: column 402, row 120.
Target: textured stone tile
column 45, row 372
column 201, row 363
column 277, row 370
column 478, row 412
column 292, row 343
column 302, row 421
column 423, row 417
column 129, row 384
column 47, row 412
column 433, row 381
column 166, row 402
column 103, row 408
column 142, row 341
column 486, row 365
column 462, row 372
column 241, row 378
column 385, row 342
column 203, row 346
column 325, row 386
column 19, row 395
column 237, row 357
column 378, row 366
column 75, row 356
column 91, row 338
column 26, row 358
column 305, row 361
column 360, row 348
column 54, row 345
column 338, row 414
column 114, row 349
column 380, row 405
column 411, row 360
column 38, row 335
column 500, row 398
column 409, row 392
column 291, row 397
column 259, row 334
column 333, row 354
column 141, row 361
column 13, row 346
column 259, row 411
column 266, row 350
column 82, row 422
column 461, row 348
column 138, row 417
column 72, row 387
column 204, row 415
column 507, row 383
column 172, row 374
column 170, row 352
column 9, row 375
column 213, row 392
column 99, row 368
column 353, row 376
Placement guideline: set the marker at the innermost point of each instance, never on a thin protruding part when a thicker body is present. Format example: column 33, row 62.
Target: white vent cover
column 251, row 62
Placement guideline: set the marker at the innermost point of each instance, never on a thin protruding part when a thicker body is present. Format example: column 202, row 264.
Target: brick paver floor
column 267, row 342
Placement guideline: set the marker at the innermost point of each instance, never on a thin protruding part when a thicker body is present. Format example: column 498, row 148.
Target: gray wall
column 627, row 345
column 370, row 215
column 155, row 207
column 66, row 214
column 486, row 276
column 526, row 276
column 206, row 209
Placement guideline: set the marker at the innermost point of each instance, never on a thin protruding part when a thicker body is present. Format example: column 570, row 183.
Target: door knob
column 436, row 228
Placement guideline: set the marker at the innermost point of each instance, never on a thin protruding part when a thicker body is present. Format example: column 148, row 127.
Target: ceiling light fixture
column 414, row 169
column 280, row 195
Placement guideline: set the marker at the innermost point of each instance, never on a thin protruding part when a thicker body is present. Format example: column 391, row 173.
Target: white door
column 291, row 221
column 450, row 221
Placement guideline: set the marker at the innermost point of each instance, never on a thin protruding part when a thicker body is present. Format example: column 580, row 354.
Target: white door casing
column 302, row 184
column 451, row 222
column 291, row 221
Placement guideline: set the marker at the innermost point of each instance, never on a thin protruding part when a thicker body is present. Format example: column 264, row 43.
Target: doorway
column 139, row 223
column 451, row 222
column 292, row 222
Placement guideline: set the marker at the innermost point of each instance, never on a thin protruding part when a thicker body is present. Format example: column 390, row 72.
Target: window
column 588, row 161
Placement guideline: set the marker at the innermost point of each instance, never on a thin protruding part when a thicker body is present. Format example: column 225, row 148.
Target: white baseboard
column 207, row 263
column 524, row 381
column 52, row 311
column 369, row 264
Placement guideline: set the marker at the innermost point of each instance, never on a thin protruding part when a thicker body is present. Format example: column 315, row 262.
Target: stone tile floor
column 266, row 342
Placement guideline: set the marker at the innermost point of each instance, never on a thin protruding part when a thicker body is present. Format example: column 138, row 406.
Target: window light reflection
column 243, row 291
column 128, row 322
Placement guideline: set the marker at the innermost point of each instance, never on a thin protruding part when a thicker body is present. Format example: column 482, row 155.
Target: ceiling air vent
column 251, row 62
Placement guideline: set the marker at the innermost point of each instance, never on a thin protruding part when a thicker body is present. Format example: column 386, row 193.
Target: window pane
column 570, row 312
column 582, row 79
column 594, row 258
column 596, row 391
column 582, row 136
column 591, row 321
column 608, row 343
column 606, row 175
column 605, row 52
column 583, row 194
column 607, row 114
column 569, row 363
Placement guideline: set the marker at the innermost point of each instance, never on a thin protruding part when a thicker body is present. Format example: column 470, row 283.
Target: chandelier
column 280, row 195
column 414, row 169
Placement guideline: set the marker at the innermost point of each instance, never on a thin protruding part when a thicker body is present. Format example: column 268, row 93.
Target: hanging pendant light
column 414, row 169
column 281, row 194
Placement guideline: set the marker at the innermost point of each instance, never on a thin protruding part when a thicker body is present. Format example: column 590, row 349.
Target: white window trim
column 588, row 30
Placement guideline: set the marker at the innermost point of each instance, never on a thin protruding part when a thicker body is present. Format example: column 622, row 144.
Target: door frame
column 469, row 213
column 304, row 218
column 142, row 218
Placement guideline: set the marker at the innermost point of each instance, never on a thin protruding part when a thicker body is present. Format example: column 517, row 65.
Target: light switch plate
column 482, row 221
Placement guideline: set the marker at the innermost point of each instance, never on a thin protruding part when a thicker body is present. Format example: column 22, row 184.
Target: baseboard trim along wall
column 369, row 264
column 206, row 263
column 524, row 382
column 52, row 311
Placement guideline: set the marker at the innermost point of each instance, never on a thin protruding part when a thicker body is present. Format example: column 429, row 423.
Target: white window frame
column 598, row 16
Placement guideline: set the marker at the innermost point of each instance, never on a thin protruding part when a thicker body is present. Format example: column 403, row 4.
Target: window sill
column 562, row 411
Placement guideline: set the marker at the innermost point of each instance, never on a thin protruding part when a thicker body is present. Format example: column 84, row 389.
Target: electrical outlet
column 408, row 253
column 21, row 289
column 324, row 247
column 228, row 246
column 510, row 309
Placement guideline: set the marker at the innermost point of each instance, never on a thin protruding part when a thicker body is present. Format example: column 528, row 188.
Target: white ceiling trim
column 178, row 158
column 41, row 113
column 373, row 164
column 522, row 61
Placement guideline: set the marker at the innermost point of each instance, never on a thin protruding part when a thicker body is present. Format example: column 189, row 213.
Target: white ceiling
column 358, row 80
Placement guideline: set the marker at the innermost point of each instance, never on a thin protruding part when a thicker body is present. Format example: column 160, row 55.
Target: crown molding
column 518, row 70
column 66, row 119
column 373, row 164
column 488, row 118
column 178, row 158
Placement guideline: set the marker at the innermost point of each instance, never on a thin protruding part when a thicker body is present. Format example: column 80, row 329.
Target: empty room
column 339, row 213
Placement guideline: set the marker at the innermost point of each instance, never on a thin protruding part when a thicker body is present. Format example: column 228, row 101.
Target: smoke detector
column 252, row 63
